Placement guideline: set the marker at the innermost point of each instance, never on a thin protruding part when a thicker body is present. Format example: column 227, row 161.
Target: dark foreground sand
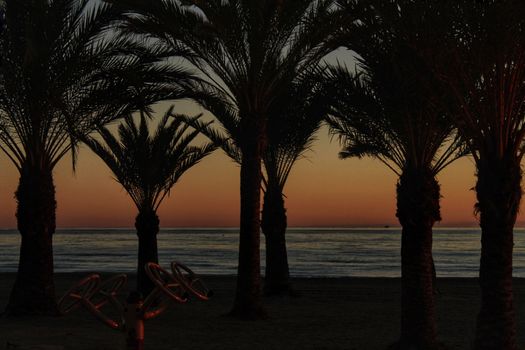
column 346, row 313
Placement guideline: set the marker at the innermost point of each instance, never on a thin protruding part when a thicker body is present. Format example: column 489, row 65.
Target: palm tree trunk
column 247, row 303
column 499, row 195
column 34, row 290
column 274, row 224
column 417, row 210
column 147, row 225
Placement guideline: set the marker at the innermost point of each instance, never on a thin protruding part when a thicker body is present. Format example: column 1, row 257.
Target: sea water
column 312, row 252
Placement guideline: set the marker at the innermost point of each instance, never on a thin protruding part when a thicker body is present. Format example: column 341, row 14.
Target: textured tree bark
column 418, row 209
column 274, row 223
column 34, row 291
column 147, row 225
column 247, row 303
column 499, row 195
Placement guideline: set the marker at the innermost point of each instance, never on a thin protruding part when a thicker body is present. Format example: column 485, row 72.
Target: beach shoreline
column 330, row 313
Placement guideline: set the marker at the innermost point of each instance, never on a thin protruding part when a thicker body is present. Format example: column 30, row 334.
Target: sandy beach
column 342, row 313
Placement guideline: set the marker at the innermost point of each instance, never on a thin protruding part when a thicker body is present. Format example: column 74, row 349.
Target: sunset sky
column 321, row 191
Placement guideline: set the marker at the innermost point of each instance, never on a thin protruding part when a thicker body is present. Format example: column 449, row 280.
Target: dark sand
column 346, row 313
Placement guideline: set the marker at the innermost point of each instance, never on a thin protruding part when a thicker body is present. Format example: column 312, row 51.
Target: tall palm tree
column 295, row 116
column 248, row 51
column 482, row 60
column 148, row 166
column 62, row 74
column 388, row 109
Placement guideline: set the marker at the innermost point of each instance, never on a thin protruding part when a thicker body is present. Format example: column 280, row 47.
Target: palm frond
column 247, row 53
column 389, row 109
column 149, row 163
column 218, row 137
column 65, row 74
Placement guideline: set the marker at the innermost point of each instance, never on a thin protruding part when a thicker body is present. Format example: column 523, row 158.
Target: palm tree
column 61, row 75
column 248, row 51
column 148, row 166
column 388, row 110
column 295, row 116
column 482, row 60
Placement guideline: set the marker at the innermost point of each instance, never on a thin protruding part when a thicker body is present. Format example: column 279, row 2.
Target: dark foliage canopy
column 247, row 52
column 482, row 60
column 148, row 165
column 64, row 72
column 392, row 106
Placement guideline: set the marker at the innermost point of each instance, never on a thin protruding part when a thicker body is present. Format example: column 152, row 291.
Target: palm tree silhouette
column 482, row 60
column 295, row 116
column 248, row 51
column 148, row 166
column 60, row 76
column 388, row 109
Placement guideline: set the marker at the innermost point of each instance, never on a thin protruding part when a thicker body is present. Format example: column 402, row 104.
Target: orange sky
column 322, row 191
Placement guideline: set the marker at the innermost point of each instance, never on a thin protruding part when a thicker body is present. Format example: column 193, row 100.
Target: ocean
column 312, row 252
